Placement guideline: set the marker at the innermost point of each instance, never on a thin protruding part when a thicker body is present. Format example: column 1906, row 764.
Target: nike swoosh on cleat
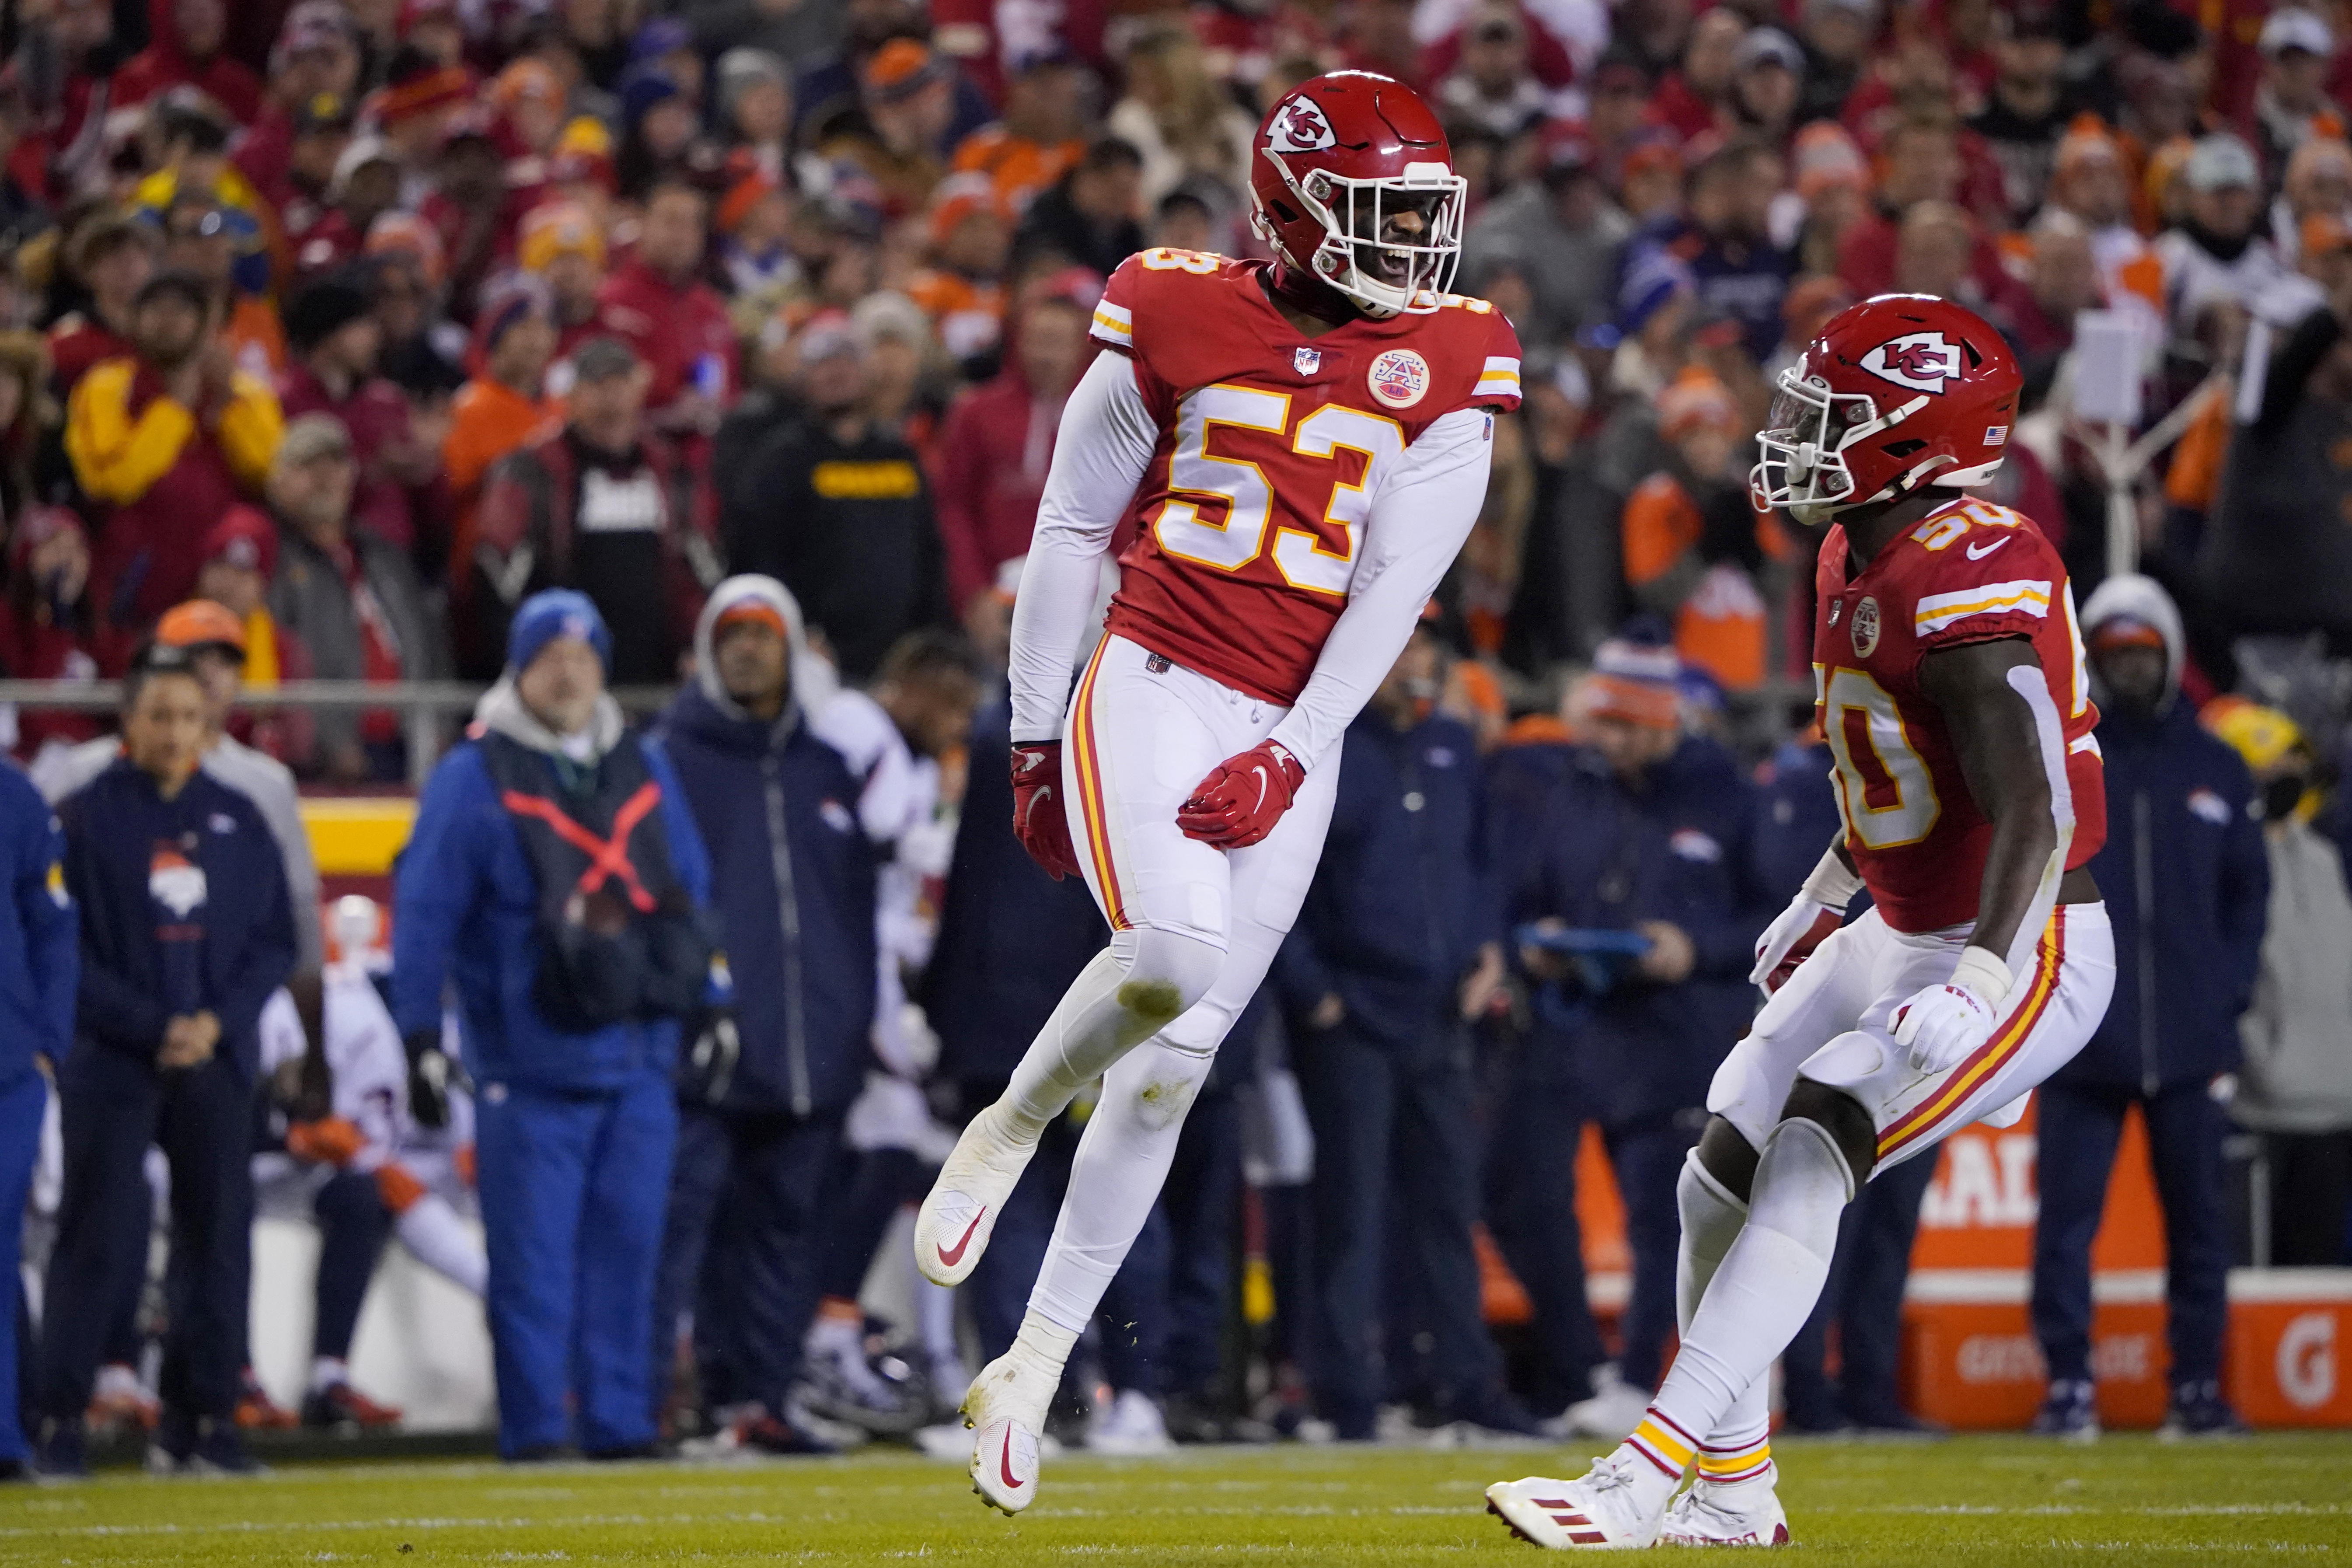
column 953, row 1255
column 1005, row 1464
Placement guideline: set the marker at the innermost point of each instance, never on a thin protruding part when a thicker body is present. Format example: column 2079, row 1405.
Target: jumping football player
column 1949, row 677
column 1304, row 447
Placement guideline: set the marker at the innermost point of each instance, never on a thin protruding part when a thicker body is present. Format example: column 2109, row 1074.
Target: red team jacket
column 1248, row 518
column 1968, row 573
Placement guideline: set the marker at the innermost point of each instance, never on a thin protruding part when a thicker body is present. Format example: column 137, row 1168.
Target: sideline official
column 555, row 875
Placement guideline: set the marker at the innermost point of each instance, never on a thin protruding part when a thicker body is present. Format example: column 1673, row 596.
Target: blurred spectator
column 240, row 563
column 2298, row 51
column 112, row 256
column 1563, row 234
column 606, row 507
column 506, row 405
column 560, row 243
column 1833, row 181
column 2295, row 1086
column 1693, row 95
column 1088, row 216
column 2319, row 184
column 1178, row 116
column 207, row 241
column 2217, row 252
column 168, row 438
column 185, row 930
column 314, row 63
column 2090, row 183
column 2027, row 110
column 572, row 970
column 1395, row 955
column 1727, row 240
column 901, row 138
column 39, row 948
column 185, row 50
column 963, row 290
column 2187, row 885
column 350, row 599
column 1922, row 161
column 49, row 626
column 334, row 341
column 1647, row 837
column 762, row 1092
column 839, row 512
column 1767, row 82
column 676, row 324
column 755, row 109
column 1041, row 134
column 1492, row 85
column 1694, row 541
column 1837, row 36
column 989, row 468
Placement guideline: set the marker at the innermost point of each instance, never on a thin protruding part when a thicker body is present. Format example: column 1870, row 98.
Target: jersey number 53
column 1220, row 414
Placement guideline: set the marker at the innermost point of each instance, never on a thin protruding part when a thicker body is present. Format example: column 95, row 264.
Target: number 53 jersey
column 1969, row 572
column 1272, row 447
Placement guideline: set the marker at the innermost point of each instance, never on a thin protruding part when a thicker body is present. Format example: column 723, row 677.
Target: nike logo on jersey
column 1978, row 552
column 953, row 1255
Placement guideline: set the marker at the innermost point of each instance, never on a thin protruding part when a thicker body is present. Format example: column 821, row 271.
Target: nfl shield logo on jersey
column 1307, row 362
column 1865, row 626
column 1400, row 378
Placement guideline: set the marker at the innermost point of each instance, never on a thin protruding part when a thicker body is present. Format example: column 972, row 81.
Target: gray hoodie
column 2297, row 1075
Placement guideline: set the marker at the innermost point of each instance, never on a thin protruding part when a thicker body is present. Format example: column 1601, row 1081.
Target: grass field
column 1976, row 1501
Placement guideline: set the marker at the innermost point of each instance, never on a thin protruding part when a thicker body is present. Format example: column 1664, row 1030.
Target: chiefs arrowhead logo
column 1300, row 128
column 1923, row 361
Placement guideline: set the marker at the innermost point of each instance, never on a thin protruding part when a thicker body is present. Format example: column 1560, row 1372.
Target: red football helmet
column 1900, row 391
column 1335, row 162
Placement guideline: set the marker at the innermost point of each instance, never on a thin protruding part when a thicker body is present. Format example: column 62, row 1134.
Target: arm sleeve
column 53, row 937
column 433, row 891
column 1104, row 446
column 1420, row 518
column 115, row 457
column 688, row 854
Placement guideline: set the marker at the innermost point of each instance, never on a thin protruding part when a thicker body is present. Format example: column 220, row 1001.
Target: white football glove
column 1812, row 917
column 1941, row 1026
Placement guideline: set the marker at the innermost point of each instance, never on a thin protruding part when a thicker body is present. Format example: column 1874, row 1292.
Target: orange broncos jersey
column 1272, row 445
column 1968, row 573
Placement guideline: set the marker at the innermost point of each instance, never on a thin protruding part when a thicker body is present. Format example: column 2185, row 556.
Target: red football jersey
column 1971, row 572
column 1272, row 445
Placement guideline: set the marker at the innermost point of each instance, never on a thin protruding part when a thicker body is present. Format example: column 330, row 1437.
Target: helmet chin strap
column 1303, row 291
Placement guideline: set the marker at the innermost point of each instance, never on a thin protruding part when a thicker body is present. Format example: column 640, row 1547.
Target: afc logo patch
column 1865, row 628
column 1399, row 378
column 1923, row 361
column 1300, row 128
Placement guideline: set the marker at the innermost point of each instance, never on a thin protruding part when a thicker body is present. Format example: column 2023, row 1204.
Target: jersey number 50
column 1300, row 555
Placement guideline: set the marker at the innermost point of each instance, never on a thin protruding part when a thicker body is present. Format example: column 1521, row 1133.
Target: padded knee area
column 1167, row 972
column 1157, row 1083
column 1841, row 1117
column 1711, row 1213
column 1803, row 1185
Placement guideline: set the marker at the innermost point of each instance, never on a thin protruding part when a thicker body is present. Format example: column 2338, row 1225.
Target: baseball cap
column 1768, row 46
column 312, row 437
column 246, row 539
column 2290, row 30
column 558, row 228
column 201, row 623
column 2218, row 163
column 602, row 358
column 899, row 68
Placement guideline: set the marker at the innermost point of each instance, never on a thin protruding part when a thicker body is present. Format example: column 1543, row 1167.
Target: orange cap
column 753, row 611
column 201, row 623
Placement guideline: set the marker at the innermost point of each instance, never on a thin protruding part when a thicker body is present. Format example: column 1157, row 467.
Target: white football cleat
column 1597, row 1512
column 1748, row 1513
column 953, row 1227
column 1006, row 1411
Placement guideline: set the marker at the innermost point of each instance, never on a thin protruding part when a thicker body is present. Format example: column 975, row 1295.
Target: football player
column 1949, row 677
column 1303, row 446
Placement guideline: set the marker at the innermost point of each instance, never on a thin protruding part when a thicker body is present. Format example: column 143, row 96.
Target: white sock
column 1137, row 985
column 1129, row 1143
column 1021, row 1382
column 1760, row 1296
column 1712, row 1220
column 432, row 1231
column 327, row 1371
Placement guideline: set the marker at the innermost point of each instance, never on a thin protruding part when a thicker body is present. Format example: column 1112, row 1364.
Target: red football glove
column 1243, row 797
column 1039, row 819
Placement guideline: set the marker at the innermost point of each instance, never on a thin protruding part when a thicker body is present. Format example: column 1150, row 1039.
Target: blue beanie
column 555, row 613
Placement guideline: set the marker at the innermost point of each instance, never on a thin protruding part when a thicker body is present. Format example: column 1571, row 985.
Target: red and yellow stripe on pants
column 1094, row 819
column 1931, row 1113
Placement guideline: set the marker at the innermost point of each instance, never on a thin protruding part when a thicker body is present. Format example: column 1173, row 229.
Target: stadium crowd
column 577, row 345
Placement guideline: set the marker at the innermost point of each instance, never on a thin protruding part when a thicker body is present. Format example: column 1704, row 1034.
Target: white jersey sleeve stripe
column 1113, row 324
column 1937, row 611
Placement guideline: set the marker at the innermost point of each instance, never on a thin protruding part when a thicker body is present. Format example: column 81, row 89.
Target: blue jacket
column 465, row 906
column 40, row 957
column 183, row 909
column 1796, row 819
column 1401, row 903
column 2187, row 883
column 1011, row 938
column 795, row 914
column 1597, row 855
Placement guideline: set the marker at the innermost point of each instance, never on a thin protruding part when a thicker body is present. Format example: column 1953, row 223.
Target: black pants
column 1863, row 1296
column 1381, row 1115
column 1530, row 1193
column 2311, row 1198
column 112, row 1107
column 352, row 1227
column 2079, row 1129
column 744, row 1248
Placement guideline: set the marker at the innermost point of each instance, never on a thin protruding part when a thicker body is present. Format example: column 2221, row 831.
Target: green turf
column 1973, row 1501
